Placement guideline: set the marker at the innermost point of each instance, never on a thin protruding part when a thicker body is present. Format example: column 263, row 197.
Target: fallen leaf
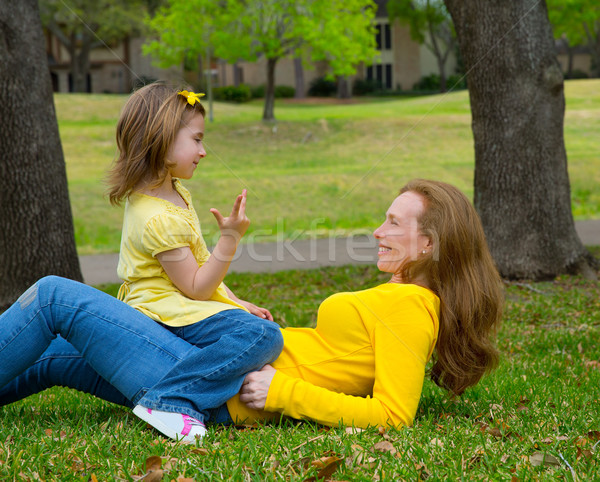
column 154, row 476
column 354, row 430
column 384, row 446
column 584, row 453
column 437, row 442
column 539, row 458
column 154, row 462
column 327, row 466
column 594, row 434
column 200, row 451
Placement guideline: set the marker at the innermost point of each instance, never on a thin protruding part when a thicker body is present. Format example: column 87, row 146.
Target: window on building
column 386, row 39
column 382, row 74
column 383, row 36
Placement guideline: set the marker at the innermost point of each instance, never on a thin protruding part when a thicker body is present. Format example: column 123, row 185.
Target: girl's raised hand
column 237, row 222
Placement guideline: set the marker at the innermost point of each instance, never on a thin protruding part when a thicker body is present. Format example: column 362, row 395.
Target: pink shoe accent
column 188, row 423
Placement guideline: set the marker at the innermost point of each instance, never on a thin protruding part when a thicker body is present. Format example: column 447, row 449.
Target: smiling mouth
column 383, row 250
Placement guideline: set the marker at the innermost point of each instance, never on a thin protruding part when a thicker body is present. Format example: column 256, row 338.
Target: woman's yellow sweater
column 363, row 364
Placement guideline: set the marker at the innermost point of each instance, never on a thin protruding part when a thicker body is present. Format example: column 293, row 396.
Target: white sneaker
column 178, row 426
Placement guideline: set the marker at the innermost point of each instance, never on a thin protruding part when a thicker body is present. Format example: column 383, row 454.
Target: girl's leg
column 233, row 343
column 63, row 366
column 130, row 351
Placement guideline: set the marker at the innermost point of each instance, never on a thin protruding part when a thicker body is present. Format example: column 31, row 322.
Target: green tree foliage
column 181, row 30
column 340, row 32
column 83, row 25
column 430, row 25
column 577, row 23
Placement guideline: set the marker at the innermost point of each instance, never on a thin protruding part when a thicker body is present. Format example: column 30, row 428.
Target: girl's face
column 187, row 149
column 399, row 236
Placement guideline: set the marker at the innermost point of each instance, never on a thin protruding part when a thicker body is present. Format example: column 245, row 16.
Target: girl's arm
column 200, row 282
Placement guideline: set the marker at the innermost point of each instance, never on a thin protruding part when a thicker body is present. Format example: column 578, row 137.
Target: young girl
column 168, row 272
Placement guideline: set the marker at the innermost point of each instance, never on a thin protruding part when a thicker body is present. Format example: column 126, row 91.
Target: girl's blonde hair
column 461, row 271
column 146, row 130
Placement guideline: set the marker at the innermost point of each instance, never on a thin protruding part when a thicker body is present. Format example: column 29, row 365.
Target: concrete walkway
column 299, row 254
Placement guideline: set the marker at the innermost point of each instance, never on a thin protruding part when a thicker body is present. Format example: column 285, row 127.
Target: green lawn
column 535, row 418
column 324, row 169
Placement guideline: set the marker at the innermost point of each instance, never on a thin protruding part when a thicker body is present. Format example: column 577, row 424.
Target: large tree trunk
column 268, row 112
column 522, row 188
column 36, row 227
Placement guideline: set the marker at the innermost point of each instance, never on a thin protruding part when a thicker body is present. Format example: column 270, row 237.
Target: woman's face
column 399, row 236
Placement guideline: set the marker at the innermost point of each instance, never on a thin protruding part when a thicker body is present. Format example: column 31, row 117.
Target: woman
column 364, row 363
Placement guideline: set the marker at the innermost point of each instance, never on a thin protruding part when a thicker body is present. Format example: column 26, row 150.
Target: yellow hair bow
column 191, row 97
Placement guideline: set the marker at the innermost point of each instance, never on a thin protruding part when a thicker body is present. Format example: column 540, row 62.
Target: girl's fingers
column 218, row 216
column 236, row 206
column 239, row 207
column 243, row 203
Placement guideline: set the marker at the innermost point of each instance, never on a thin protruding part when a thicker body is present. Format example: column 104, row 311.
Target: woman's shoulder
column 395, row 290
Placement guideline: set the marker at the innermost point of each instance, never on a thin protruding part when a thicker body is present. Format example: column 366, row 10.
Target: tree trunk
column 300, row 92
column 442, row 68
column 343, row 92
column 439, row 57
column 36, row 227
column 80, row 64
column 237, row 75
column 522, row 188
column 593, row 37
column 268, row 112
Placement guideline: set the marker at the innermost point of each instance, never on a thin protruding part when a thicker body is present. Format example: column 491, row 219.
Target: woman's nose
column 378, row 233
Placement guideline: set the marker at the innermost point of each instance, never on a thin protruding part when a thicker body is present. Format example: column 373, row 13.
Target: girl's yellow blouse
column 151, row 226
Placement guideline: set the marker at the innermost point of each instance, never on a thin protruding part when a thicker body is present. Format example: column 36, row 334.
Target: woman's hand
column 237, row 222
column 256, row 310
column 255, row 388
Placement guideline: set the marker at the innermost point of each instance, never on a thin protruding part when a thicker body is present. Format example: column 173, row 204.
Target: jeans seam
column 137, row 334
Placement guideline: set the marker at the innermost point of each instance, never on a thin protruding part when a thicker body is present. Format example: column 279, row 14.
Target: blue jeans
column 111, row 350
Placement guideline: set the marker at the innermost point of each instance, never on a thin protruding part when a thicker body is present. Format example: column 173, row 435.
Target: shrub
column 284, row 91
column 364, row 87
column 428, row 82
column 577, row 74
column 458, row 81
column 322, row 87
column 231, row 93
column 258, row 91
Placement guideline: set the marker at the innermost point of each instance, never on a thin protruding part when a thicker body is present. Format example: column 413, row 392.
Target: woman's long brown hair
column 146, row 130
column 461, row 271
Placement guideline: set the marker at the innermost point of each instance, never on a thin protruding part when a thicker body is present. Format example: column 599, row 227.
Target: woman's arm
column 401, row 347
column 200, row 282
